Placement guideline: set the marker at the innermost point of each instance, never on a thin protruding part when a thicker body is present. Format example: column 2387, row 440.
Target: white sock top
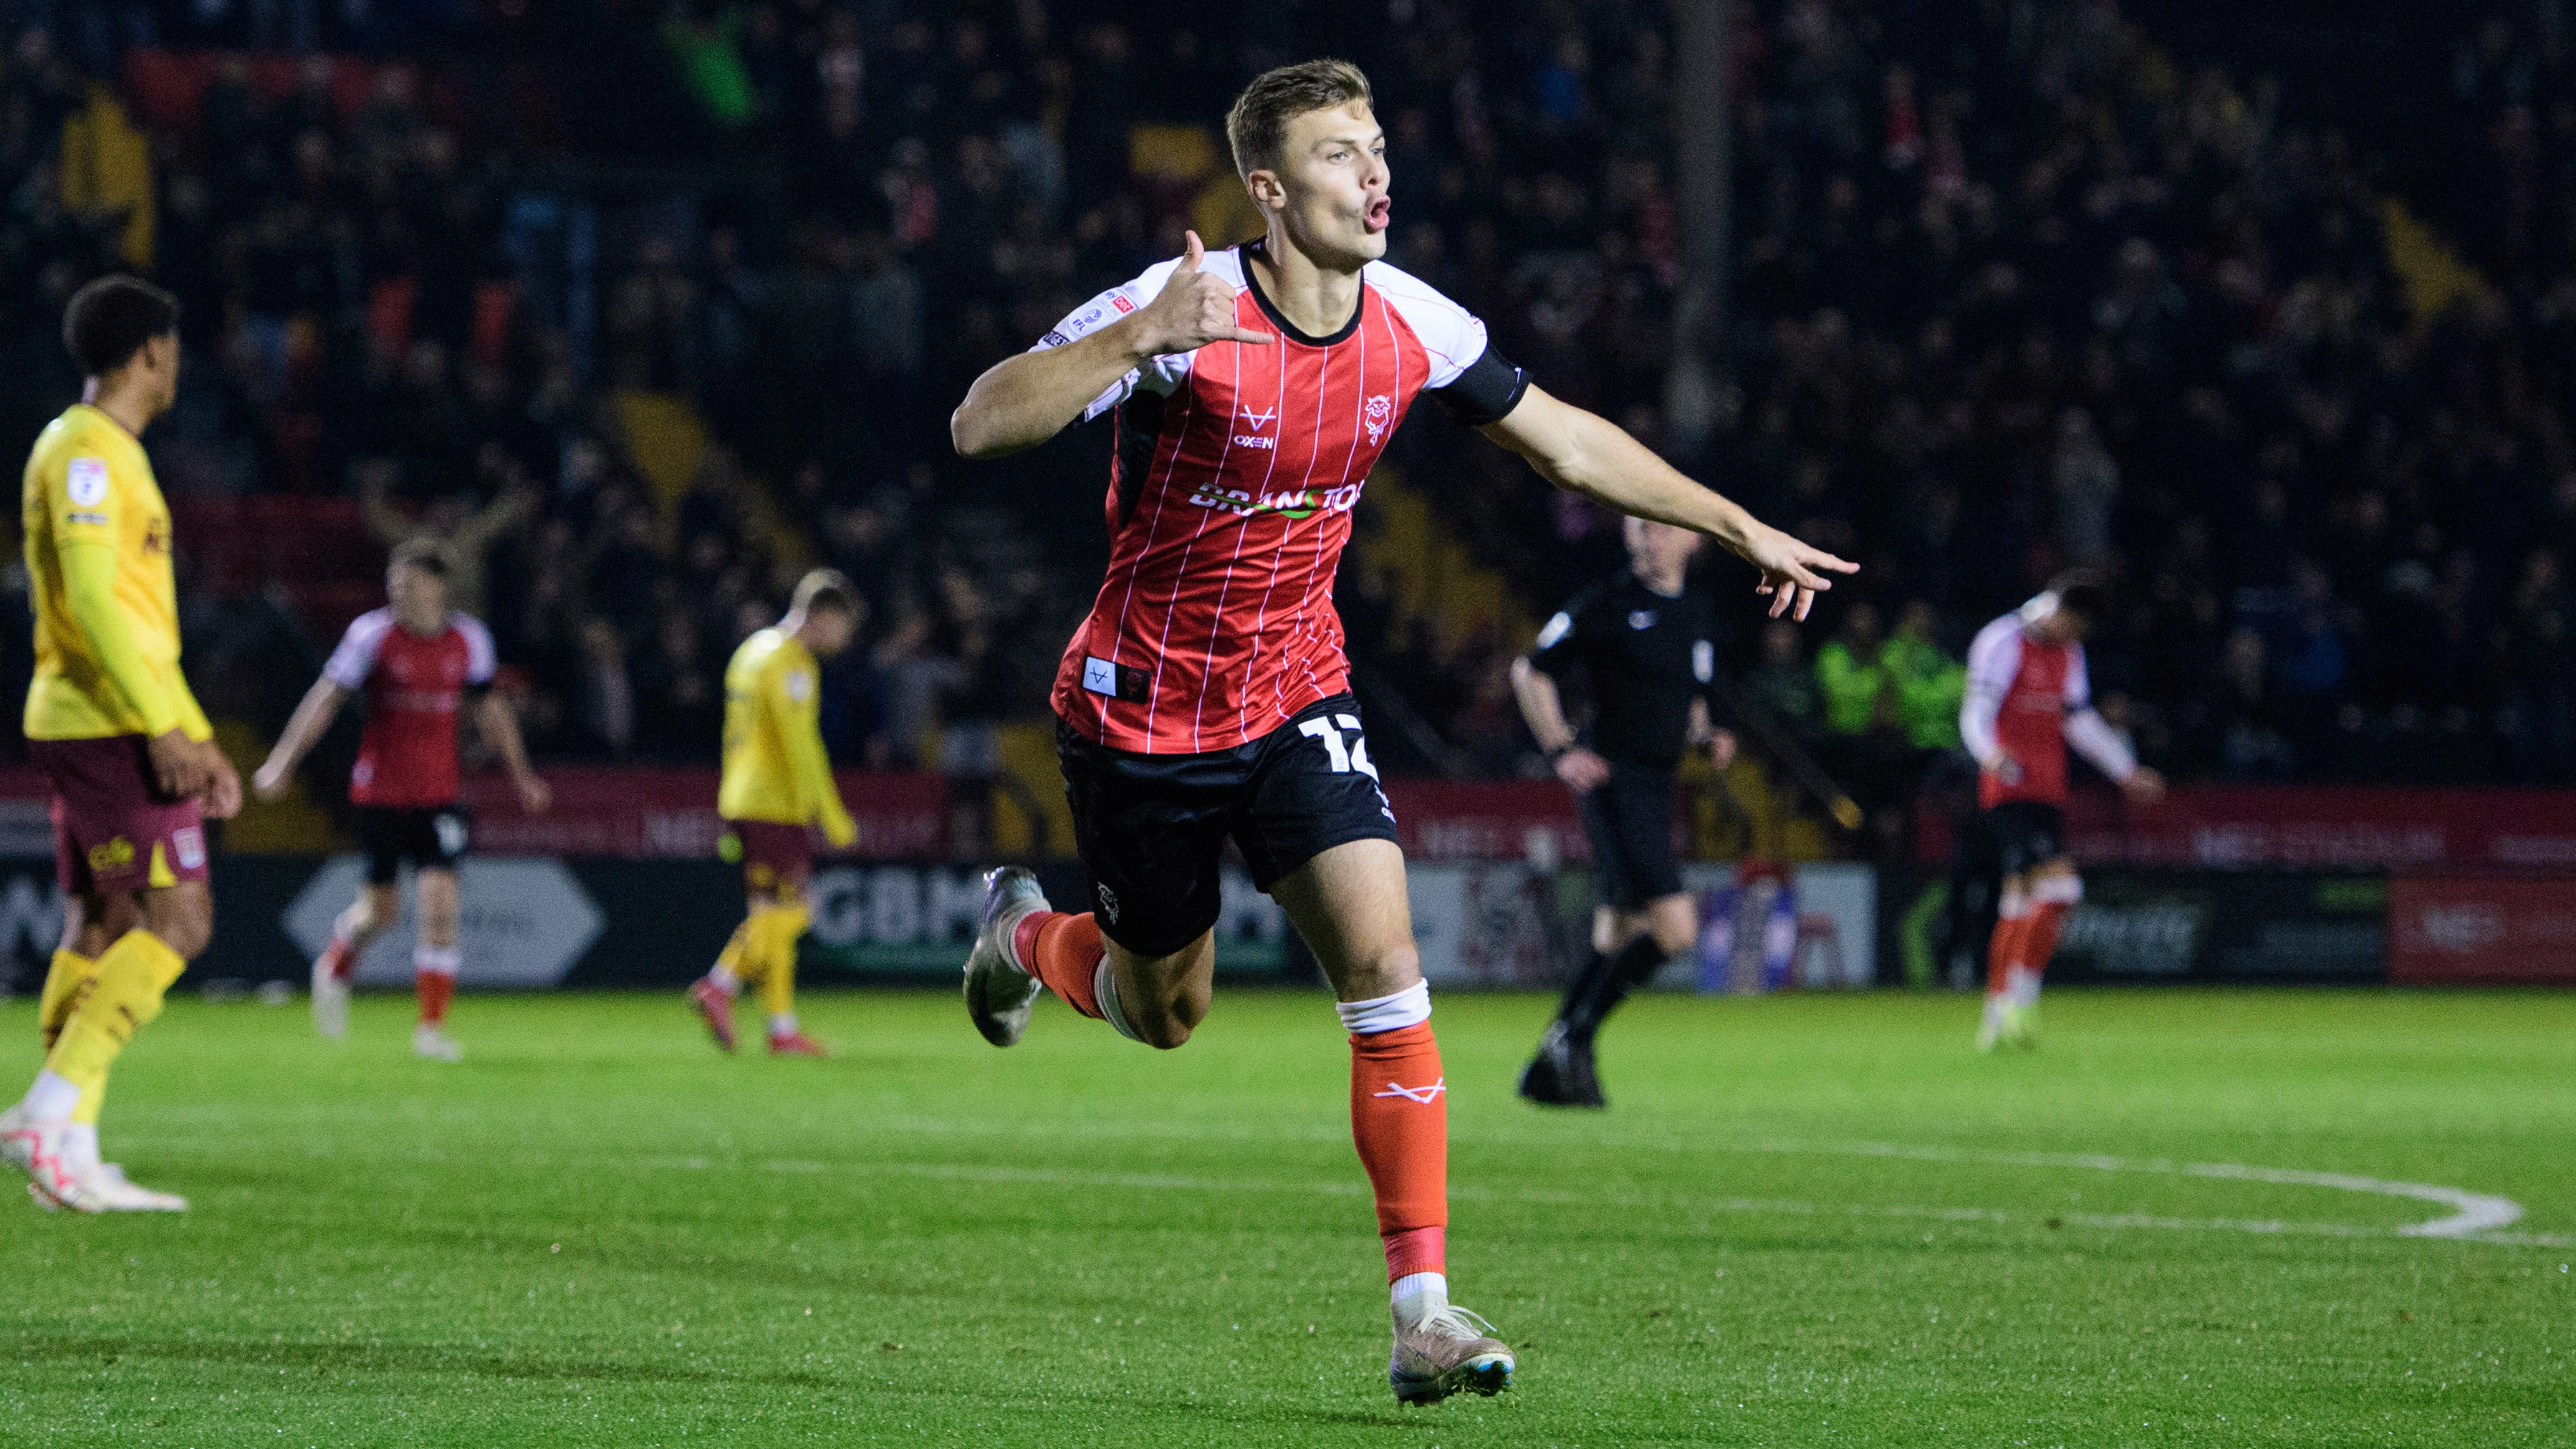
column 1387, row 1013
column 52, row 1098
column 783, row 1024
column 1417, row 1295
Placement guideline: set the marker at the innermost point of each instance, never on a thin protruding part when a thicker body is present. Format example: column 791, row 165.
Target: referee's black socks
column 1605, row 981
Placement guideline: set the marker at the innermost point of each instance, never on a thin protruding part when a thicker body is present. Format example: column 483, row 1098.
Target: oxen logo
column 1378, row 411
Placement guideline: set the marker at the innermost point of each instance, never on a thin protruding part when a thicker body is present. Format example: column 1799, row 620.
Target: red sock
column 433, row 987
column 2012, row 937
column 1400, row 1120
column 2039, row 940
column 1062, row 951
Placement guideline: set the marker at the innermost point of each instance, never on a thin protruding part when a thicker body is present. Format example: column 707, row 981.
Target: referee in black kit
column 1644, row 640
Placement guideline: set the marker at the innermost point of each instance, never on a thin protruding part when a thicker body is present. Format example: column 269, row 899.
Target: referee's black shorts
column 1629, row 820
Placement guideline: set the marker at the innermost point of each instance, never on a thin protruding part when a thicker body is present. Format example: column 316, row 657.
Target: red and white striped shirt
column 414, row 684
column 2027, row 701
column 1231, row 489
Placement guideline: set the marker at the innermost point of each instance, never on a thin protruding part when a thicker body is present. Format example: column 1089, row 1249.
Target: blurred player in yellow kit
column 110, row 720
column 777, row 788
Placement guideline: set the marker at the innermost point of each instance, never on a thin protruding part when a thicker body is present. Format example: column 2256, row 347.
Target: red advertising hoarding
column 671, row 814
column 2452, row 930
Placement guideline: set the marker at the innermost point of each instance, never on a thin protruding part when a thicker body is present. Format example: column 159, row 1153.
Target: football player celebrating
column 418, row 663
column 1207, row 695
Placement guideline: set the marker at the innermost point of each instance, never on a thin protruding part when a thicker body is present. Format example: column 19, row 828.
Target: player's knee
column 1675, row 923
column 1384, row 970
column 183, row 920
column 1175, row 1014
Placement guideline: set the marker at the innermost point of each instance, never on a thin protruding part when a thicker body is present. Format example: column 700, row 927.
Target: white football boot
column 104, row 1188
column 1446, row 1351
column 431, row 1043
column 998, row 993
column 330, row 994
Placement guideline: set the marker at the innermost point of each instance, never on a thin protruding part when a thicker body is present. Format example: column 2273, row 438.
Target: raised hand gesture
column 1792, row 572
column 1194, row 309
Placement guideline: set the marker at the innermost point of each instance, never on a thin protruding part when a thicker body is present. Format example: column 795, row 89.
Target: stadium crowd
column 2012, row 288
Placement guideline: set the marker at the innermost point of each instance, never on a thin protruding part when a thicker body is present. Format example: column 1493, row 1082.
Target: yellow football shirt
column 775, row 769
column 88, row 486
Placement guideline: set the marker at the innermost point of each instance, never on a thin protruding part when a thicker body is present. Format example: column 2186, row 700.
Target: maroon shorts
column 776, row 859
column 114, row 831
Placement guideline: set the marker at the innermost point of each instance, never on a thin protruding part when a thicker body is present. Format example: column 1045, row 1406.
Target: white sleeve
column 1993, row 660
column 1160, row 375
column 482, row 661
column 1452, row 336
column 2086, row 730
column 355, row 659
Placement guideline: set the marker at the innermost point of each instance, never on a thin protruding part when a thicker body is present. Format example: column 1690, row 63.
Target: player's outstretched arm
column 313, row 716
column 499, row 726
column 1590, row 455
column 1022, row 401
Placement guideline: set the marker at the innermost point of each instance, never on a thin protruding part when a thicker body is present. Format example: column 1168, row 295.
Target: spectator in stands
column 2540, row 663
column 1851, row 675
column 1929, row 685
column 2007, row 295
column 1785, row 687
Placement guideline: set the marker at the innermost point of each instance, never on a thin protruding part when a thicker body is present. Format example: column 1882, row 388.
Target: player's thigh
column 1351, row 906
column 2028, row 838
column 384, row 838
column 92, row 921
column 1151, row 835
column 1598, row 811
column 777, row 862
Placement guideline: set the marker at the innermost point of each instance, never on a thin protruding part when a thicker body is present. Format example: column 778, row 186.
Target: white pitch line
column 1172, row 1182
column 2473, row 1213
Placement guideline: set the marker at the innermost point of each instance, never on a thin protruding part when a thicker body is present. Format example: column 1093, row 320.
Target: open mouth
column 1378, row 212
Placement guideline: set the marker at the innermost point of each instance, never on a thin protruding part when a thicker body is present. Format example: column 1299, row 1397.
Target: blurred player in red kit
column 1207, row 695
column 2029, row 698
column 418, row 663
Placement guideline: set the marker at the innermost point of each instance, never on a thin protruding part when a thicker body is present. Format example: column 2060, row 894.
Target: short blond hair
column 1261, row 114
column 825, row 589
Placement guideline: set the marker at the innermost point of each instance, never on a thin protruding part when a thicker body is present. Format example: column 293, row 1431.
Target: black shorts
column 1629, row 820
column 1151, row 828
column 2020, row 836
column 430, row 837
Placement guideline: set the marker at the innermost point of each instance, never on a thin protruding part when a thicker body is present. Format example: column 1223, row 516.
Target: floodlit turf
column 1804, row 1221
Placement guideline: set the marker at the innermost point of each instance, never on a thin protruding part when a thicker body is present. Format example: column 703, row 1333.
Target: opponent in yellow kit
column 777, row 788
column 111, row 722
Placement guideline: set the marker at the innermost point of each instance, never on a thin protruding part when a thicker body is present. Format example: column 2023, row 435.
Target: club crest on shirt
column 1641, row 618
column 1375, row 413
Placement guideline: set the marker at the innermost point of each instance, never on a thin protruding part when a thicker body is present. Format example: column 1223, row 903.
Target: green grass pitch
column 1803, row 1221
